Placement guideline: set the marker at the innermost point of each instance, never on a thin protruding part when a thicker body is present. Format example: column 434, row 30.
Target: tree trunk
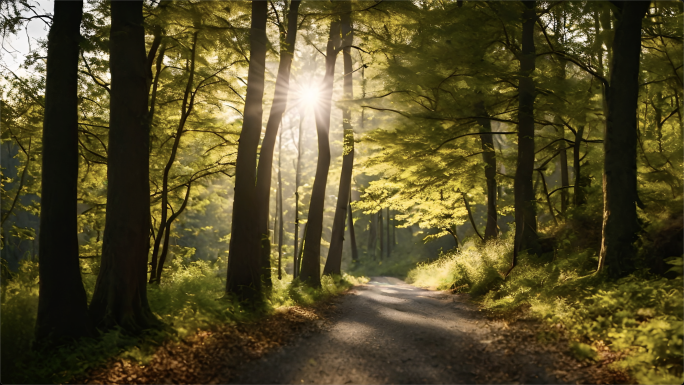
column 565, row 179
column 297, row 177
column 333, row 263
column 489, row 158
column 244, row 266
column 525, row 204
column 389, row 245
column 620, row 222
column 167, row 234
column 372, row 235
column 394, row 230
column 280, row 207
column 265, row 168
column 578, row 198
column 311, row 263
column 452, row 231
column 186, row 109
column 352, row 234
column 382, row 237
column 470, row 215
column 559, row 25
column 548, row 198
column 120, row 297
column 301, row 250
column 62, row 303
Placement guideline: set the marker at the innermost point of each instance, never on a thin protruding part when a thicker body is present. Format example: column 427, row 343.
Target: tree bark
column 311, row 265
column 489, row 158
column 382, row 236
column 167, row 234
column 301, row 250
column 565, row 179
column 280, row 207
column 620, row 222
column 120, row 297
column 265, row 167
column 578, row 197
column 394, row 230
column 372, row 234
column 470, row 216
column 244, row 267
column 525, row 204
column 389, row 245
column 62, row 303
column 548, row 197
column 352, row 234
column 297, row 177
column 452, row 231
column 333, row 263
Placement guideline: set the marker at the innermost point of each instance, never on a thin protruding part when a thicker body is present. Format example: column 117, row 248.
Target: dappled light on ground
column 389, row 332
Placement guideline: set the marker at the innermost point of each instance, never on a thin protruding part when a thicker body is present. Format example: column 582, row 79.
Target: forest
column 273, row 169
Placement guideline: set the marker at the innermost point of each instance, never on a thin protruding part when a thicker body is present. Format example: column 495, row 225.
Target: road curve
column 390, row 332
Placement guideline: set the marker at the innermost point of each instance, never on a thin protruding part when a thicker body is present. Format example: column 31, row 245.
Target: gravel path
column 390, row 332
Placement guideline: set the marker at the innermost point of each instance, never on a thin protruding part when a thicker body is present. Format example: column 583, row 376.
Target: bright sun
column 309, row 95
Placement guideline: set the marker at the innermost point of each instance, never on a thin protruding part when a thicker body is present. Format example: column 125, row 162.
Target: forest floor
column 390, row 332
column 385, row 331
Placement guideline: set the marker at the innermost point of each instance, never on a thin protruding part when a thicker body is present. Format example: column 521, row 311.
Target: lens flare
column 308, row 96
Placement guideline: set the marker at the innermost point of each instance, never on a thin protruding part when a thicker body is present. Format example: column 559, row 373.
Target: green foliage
column 472, row 268
column 582, row 351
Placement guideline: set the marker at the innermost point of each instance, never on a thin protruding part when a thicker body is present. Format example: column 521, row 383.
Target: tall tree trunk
column 280, row 207
column 186, row 109
column 525, row 204
column 380, row 230
column 311, row 263
column 301, row 250
column 389, row 245
column 62, row 303
column 578, row 198
column 120, row 297
column 565, row 179
column 394, row 230
column 333, row 263
column 620, row 223
column 489, row 158
column 563, row 160
column 372, row 234
column 265, row 168
column 352, row 234
column 297, row 177
column 244, row 266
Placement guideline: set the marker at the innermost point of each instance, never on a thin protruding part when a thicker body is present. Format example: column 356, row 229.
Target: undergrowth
column 190, row 298
column 639, row 316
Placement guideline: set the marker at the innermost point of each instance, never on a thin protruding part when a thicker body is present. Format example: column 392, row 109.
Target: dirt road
column 390, row 332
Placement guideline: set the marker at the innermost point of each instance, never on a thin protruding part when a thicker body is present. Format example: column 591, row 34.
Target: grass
column 639, row 316
column 189, row 299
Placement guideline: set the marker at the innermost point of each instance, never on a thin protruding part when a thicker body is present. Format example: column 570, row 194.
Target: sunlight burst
column 309, row 96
